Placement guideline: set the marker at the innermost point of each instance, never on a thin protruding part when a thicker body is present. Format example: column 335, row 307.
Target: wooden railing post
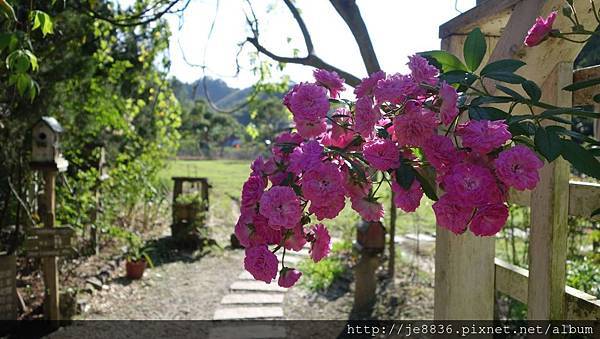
column 549, row 217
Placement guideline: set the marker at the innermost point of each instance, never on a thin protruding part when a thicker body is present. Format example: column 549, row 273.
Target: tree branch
column 350, row 12
column 307, row 38
column 310, row 60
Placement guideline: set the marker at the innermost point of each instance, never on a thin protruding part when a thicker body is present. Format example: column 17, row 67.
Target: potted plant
column 137, row 257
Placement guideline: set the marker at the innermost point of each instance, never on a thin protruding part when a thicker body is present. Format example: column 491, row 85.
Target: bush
column 320, row 276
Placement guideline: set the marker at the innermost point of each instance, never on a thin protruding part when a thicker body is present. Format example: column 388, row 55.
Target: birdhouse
column 45, row 151
column 370, row 236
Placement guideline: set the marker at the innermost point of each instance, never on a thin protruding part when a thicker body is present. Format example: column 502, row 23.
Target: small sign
column 49, row 242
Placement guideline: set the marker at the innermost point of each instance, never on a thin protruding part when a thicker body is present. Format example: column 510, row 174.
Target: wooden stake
column 49, row 264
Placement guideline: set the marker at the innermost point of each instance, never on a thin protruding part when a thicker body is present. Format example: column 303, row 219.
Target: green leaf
column 8, row 10
column 42, row 21
column 458, row 77
column 486, row 113
column 547, row 143
column 506, row 66
column 532, row 89
column 582, row 84
column 446, row 61
column 18, row 61
column 570, row 111
column 405, row 175
column 474, row 49
column 428, row 187
column 506, row 77
column 595, row 213
column 490, row 100
column 510, row 92
column 582, row 159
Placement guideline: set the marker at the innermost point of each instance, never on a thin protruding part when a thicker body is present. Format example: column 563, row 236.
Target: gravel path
column 178, row 290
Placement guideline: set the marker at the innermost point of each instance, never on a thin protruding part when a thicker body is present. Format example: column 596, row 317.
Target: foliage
column 584, row 275
column 320, row 276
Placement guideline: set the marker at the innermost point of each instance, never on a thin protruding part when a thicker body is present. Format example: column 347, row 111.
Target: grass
column 318, row 277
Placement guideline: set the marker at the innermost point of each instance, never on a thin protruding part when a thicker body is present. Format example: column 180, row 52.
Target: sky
column 398, row 28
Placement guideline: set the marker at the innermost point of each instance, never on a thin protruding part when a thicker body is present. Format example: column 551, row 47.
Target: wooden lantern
column 45, row 146
column 370, row 236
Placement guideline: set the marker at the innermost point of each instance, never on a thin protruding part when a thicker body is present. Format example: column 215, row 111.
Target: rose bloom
column 518, row 167
column 441, row 152
column 451, row 214
column 473, row 185
column 295, row 239
column 407, row 200
column 368, row 209
column 330, row 80
column 281, row 207
column 489, row 219
column 321, row 245
column 270, row 235
column 252, row 191
column 288, row 277
column 382, row 154
column 328, row 207
column 367, row 85
column 395, row 89
column 484, row 136
column 261, row 263
column 310, row 128
column 365, row 117
column 308, row 102
column 422, row 71
column 305, row 157
column 321, row 182
column 448, row 109
column 415, row 126
column 540, row 30
column 342, row 117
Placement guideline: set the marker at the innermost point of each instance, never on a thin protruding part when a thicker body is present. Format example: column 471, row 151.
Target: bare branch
column 307, row 38
column 350, row 12
column 310, row 60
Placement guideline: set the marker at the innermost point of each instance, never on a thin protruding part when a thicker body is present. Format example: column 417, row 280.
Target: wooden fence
column 466, row 272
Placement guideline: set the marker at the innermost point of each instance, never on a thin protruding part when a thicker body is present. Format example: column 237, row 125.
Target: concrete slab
column 273, row 312
column 252, row 298
column 256, row 286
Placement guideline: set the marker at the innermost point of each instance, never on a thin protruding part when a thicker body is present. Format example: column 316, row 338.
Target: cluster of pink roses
column 397, row 123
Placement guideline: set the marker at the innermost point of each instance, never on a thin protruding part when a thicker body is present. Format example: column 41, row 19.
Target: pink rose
column 310, row 128
column 483, row 136
column 288, row 277
column 407, row 200
column 342, row 118
column 415, row 126
column 329, row 80
column 422, row 71
column 395, row 89
column 540, row 30
column 252, row 191
column 365, row 117
column 308, row 102
column 448, row 109
column 518, row 167
column 441, row 152
column 321, row 244
column 322, row 182
column 367, row 208
column 473, row 185
column 489, row 219
column 367, row 85
column 306, row 157
column 281, row 206
column 268, row 234
column 382, row 154
column 261, row 263
column 328, row 207
column 295, row 239
column 451, row 215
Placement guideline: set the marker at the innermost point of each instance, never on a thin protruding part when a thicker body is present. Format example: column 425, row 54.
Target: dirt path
column 179, row 290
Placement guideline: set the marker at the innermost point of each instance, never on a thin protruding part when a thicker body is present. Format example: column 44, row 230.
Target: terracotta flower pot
column 135, row 269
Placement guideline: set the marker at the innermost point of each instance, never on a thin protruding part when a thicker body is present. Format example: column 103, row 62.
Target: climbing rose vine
column 430, row 132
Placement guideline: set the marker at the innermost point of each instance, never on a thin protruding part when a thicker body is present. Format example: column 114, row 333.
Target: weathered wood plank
column 512, row 281
column 549, row 216
column 584, row 198
column 493, row 14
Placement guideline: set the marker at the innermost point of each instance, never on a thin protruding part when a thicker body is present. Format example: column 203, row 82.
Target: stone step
column 252, row 298
column 270, row 312
column 256, row 286
column 290, row 259
column 244, row 331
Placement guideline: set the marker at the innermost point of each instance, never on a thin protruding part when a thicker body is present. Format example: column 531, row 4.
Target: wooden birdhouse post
column 48, row 242
column 370, row 242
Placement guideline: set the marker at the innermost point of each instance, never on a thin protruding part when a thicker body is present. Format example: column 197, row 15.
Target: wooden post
column 365, row 283
column 549, row 216
column 8, row 287
column 49, row 264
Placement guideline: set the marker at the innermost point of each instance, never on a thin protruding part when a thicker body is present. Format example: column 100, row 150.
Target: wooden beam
column 584, row 198
column 549, row 216
column 512, row 281
column 492, row 14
